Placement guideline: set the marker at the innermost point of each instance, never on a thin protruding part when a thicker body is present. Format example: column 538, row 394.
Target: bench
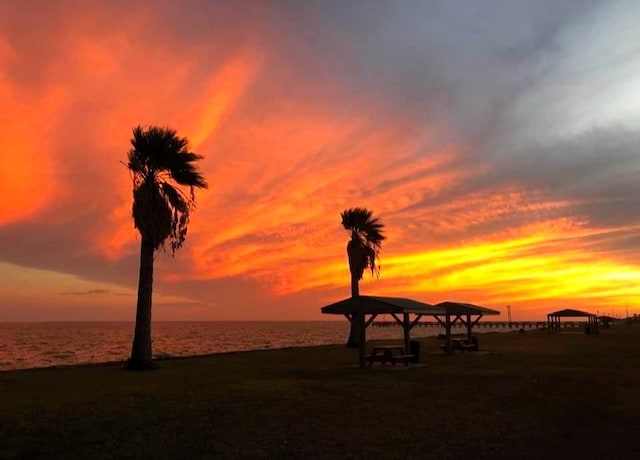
column 373, row 358
column 468, row 347
column 462, row 345
column 453, row 336
column 389, row 354
column 402, row 358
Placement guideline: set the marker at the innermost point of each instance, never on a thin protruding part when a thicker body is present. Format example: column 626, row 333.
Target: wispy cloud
column 89, row 292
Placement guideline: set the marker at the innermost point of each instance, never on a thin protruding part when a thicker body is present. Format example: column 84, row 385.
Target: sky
column 498, row 141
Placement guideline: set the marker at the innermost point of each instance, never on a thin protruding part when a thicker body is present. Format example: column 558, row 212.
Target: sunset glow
column 500, row 173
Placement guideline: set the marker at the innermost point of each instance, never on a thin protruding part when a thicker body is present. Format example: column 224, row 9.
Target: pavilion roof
column 462, row 308
column 569, row 312
column 380, row 305
column 607, row 317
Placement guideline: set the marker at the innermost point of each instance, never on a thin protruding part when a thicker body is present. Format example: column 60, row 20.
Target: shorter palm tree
column 363, row 253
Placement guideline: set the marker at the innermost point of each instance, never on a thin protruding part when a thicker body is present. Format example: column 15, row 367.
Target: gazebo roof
column 569, row 312
column 607, row 318
column 380, row 305
column 461, row 308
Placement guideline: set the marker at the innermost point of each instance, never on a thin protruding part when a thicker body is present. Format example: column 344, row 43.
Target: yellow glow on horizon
column 533, row 268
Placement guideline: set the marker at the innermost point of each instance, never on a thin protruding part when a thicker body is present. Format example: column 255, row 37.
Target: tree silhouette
column 158, row 160
column 362, row 251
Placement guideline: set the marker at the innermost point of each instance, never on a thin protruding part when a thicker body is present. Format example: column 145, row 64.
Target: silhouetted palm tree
column 362, row 251
column 158, row 160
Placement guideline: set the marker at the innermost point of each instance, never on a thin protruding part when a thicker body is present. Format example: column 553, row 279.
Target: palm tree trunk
column 355, row 285
column 356, row 323
column 141, row 349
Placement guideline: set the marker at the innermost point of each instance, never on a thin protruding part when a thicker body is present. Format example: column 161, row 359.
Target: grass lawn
column 531, row 395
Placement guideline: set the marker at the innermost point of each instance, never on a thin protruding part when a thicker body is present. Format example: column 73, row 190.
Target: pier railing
column 490, row 324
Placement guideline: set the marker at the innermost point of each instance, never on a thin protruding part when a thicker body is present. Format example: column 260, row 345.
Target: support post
column 363, row 336
column 406, row 328
column 448, row 329
column 370, row 320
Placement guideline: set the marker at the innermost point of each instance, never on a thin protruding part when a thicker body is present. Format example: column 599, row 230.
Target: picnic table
column 392, row 354
column 462, row 345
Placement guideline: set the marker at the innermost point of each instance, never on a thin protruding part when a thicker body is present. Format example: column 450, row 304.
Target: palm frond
column 366, row 239
column 160, row 209
column 189, row 177
column 152, row 214
column 355, row 217
column 361, row 223
column 175, row 197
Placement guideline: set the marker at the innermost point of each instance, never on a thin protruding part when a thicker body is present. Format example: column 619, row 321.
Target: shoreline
column 381, row 333
column 161, row 358
column 168, row 358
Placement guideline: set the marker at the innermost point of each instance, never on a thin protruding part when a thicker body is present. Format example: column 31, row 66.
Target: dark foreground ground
column 531, row 395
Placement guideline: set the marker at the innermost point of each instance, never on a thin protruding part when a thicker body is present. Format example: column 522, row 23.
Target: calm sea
column 25, row 345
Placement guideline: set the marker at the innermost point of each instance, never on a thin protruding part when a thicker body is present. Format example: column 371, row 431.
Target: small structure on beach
column 370, row 307
column 467, row 313
column 605, row 321
column 401, row 310
column 554, row 320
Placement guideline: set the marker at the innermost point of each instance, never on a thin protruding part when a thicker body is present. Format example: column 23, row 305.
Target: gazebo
column 605, row 321
column 462, row 312
column 399, row 308
column 553, row 319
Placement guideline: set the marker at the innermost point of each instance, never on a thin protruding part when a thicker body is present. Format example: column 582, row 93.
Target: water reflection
column 24, row 345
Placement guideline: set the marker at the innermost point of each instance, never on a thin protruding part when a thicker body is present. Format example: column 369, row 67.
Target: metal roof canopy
column 461, row 308
column 374, row 305
column 394, row 306
column 569, row 312
column 553, row 319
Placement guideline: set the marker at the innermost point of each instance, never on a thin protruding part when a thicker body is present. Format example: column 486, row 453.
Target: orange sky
column 500, row 174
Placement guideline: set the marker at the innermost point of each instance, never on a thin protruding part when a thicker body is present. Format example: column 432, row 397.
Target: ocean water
column 27, row 345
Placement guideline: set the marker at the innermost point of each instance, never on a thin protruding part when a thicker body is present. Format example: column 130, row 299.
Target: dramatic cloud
column 497, row 141
column 89, row 292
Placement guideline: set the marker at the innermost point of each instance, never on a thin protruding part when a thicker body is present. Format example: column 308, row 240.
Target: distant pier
column 488, row 324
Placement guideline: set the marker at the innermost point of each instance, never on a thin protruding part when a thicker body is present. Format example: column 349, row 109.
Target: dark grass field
column 529, row 395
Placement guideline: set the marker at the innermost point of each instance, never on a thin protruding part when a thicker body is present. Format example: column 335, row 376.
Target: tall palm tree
column 362, row 250
column 158, row 160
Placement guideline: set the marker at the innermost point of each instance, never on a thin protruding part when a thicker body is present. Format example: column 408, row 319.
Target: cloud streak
column 89, row 292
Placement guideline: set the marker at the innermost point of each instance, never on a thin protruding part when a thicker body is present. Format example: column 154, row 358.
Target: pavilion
column 553, row 320
column 462, row 312
column 372, row 306
column 400, row 309
column 605, row 321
